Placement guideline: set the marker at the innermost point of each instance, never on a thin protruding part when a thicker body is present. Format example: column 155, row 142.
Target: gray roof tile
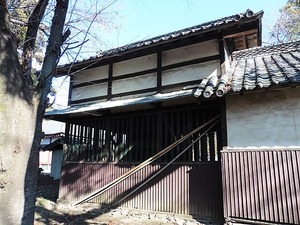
column 258, row 67
column 184, row 32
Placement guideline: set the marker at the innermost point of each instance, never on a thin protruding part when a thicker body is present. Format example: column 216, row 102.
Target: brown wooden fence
column 262, row 185
column 134, row 137
column 183, row 188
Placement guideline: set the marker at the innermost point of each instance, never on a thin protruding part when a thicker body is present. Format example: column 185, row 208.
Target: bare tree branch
column 88, row 29
column 30, row 40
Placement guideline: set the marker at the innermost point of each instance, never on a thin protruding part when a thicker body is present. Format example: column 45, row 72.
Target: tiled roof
column 254, row 68
column 215, row 24
column 55, row 145
column 60, row 134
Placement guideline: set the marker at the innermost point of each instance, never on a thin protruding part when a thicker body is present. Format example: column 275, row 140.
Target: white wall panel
column 135, row 65
column 134, row 83
column 190, row 73
column 91, row 74
column 269, row 119
column 190, row 52
column 89, row 91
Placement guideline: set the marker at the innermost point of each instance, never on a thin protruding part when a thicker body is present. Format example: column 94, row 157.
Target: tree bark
column 21, row 113
column 45, row 80
column 17, row 125
column 31, row 35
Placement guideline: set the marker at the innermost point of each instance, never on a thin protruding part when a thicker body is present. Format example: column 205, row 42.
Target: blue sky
column 141, row 19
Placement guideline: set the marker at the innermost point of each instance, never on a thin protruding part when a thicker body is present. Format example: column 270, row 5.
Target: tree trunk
column 17, row 110
column 31, row 35
column 21, row 115
column 46, row 76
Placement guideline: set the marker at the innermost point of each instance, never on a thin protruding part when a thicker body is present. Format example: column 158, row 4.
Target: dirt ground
column 48, row 212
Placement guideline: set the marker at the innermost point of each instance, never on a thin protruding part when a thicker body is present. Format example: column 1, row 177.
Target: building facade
column 172, row 123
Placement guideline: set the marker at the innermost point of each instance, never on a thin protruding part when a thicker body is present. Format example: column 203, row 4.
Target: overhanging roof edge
column 207, row 26
column 119, row 103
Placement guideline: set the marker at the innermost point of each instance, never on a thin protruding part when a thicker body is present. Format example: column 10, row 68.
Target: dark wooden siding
column 136, row 137
column 183, row 188
column 262, row 185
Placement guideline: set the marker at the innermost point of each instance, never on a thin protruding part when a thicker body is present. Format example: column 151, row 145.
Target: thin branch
column 89, row 27
column 31, row 34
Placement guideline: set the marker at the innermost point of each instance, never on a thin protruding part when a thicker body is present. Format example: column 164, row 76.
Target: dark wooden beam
column 243, row 33
column 110, row 78
column 83, row 84
column 221, row 53
column 159, row 72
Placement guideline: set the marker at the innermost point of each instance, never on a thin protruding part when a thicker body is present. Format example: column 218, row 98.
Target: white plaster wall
column 200, row 50
column 134, row 83
column 89, row 91
column 190, row 73
column 61, row 86
column 91, row 74
column 227, row 58
column 51, row 126
column 135, row 65
column 134, row 96
column 268, row 119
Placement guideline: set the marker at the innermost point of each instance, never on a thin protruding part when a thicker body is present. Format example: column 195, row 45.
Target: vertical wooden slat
column 153, row 134
column 131, row 142
column 293, row 187
column 211, row 145
column 80, row 141
column 190, row 125
column 67, row 141
column 177, row 129
column 72, row 141
column 95, row 143
column 169, row 119
column 85, row 142
column 108, row 138
column 264, row 203
column 266, row 206
column 147, row 137
column 272, row 169
column 142, row 139
column 225, row 178
column 251, row 181
column 196, row 116
column 260, row 201
column 243, row 200
column 296, row 175
column 279, row 188
column 277, row 165
column 113, row 127
column 286, row 161
column 137, row 138
column 265, row 189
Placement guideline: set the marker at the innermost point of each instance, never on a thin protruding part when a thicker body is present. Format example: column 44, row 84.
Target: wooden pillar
column 159, row 72
column 110, row 79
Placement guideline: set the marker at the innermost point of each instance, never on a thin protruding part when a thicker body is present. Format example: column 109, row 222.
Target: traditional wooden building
column 150, row 123
column 260, row 165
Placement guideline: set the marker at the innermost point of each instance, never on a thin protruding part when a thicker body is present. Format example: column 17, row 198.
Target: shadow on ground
column 49, row 212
